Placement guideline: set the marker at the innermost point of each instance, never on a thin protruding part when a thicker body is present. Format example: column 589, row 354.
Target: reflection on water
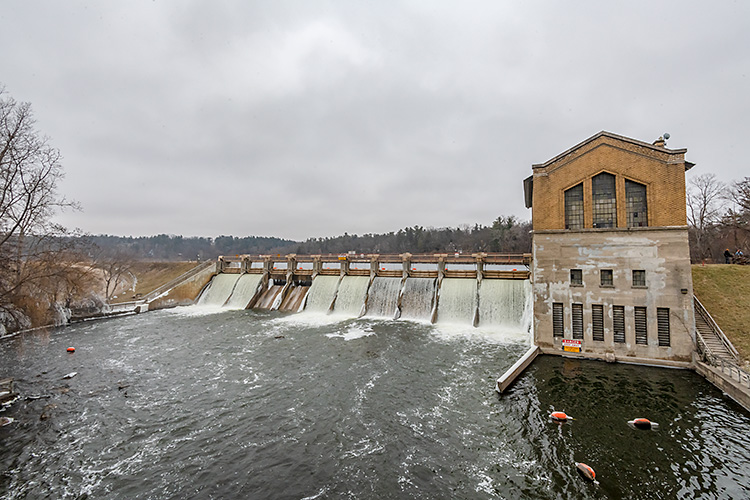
column 197, row 403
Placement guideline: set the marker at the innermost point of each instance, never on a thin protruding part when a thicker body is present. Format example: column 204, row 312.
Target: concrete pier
column 514, row 371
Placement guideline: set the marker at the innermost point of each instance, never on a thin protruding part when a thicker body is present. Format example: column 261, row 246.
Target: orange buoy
column 643, row 423
column 71, row 349
column 560, row 416
column 586, row 472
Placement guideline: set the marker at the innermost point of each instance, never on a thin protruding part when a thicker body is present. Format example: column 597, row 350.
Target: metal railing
column 716, row 329
column 171, row 284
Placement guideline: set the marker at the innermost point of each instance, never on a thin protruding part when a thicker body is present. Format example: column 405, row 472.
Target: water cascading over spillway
column 504, row 302
column 219, row 290
column 321, row 293
column 244, row 291
column 418, row 298
column 351, row 295
column 293, row 301
column 382, row 301
column 268, row 299
column 458, row 301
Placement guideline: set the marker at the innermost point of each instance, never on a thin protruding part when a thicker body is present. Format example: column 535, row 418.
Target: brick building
column 611, row 264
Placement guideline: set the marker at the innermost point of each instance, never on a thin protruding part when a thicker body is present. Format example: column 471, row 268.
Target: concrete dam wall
column 477, row 290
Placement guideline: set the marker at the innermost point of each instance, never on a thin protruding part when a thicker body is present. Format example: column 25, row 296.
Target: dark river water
column 246, row 404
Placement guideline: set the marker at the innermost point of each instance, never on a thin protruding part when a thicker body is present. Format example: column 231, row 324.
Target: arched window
column 636, row 204
column 574, row 207
column 604, row 200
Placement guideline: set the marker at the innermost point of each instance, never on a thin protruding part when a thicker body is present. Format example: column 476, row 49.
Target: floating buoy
column 71, row 349
column 560, row 416
column 643, row 423
column 586, row 472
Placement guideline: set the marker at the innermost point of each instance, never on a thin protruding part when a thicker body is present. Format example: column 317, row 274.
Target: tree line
column 505, row 234
column 718, row 218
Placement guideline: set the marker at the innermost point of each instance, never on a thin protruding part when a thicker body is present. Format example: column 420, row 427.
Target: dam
column 478, row 290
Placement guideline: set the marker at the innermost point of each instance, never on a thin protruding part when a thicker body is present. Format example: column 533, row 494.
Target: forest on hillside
column 505, row 234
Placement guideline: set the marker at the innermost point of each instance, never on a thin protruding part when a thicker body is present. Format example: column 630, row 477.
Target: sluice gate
column 445, row 288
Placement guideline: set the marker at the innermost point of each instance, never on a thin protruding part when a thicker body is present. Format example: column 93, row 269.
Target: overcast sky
column 312, row 118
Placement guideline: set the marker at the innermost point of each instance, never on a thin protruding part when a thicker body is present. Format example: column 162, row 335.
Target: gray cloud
column 302, row 119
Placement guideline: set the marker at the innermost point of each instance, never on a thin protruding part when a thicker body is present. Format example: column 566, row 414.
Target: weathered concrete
column 661, row 252
column 518, row 367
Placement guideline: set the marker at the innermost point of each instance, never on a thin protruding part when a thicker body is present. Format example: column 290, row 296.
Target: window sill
column 606, row 286
column 640, row 287
column 577, row 285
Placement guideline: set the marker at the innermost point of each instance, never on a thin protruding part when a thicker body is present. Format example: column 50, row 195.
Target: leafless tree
column 737, row 219
column 32, row 248
column 704, row 208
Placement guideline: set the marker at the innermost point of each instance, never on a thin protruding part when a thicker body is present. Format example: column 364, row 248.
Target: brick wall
column 661, row 170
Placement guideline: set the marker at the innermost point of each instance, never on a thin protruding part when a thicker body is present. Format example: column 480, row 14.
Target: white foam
column 353, row 333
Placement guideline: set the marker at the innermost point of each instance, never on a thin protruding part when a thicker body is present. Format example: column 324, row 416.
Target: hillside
column 149, row 276
column 725, row 292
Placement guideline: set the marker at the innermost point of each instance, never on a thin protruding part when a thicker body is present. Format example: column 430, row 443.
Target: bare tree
column 115, row 267
column 704, row 196
column 32, row 247
column 737, row 219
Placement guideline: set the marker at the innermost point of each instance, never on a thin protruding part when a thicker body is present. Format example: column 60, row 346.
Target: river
column 207, row 403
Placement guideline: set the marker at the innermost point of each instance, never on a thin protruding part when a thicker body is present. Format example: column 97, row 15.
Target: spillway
column 219, row 290
column 457, row 302
column 382, row 300
column 418, row 298
column 503, row 302
column 244, row 291
column 322, row 293
column 268, row 298
column 294, row 299
column 351, row 295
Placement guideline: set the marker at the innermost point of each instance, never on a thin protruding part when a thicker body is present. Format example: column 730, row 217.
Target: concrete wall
column 661, row 252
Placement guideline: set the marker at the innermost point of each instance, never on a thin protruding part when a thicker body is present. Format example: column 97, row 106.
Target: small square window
column 639, row 277
column 606, row 277
column 576, row 277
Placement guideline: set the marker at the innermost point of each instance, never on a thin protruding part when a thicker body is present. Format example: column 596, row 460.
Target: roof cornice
column 610, row 135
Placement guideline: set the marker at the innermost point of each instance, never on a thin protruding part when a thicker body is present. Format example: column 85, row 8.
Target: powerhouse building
column 611, row 265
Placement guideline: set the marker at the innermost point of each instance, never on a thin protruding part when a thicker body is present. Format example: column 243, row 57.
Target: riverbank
column 724, row 290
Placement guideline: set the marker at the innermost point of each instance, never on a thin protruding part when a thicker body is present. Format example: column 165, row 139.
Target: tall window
column 577, row 323
column 618, row 324
column 574, row 207
column 597, row 322
column 558, row 323
column 641, row 331
column 604, row 200
column 636, row 205
column 662, row 320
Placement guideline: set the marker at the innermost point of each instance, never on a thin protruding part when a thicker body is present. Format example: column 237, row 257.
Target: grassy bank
column 150, row 276
column 725, row 292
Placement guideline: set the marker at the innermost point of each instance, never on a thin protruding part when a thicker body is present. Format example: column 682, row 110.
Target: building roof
column 528, row 183
column 617, row 137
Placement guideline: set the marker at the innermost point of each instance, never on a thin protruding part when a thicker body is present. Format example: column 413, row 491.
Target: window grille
column 558, row 323
column 576, row 277
column 577, row 321
column 597, row 322
column 662, row 320
column 636, row 204
column 604, row 200
column 605, row 276
column 639, row 277
column 618, row 324
column 641, row 331
column 574, row 207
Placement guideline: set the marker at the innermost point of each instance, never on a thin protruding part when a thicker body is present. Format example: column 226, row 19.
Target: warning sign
column 571, row 345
